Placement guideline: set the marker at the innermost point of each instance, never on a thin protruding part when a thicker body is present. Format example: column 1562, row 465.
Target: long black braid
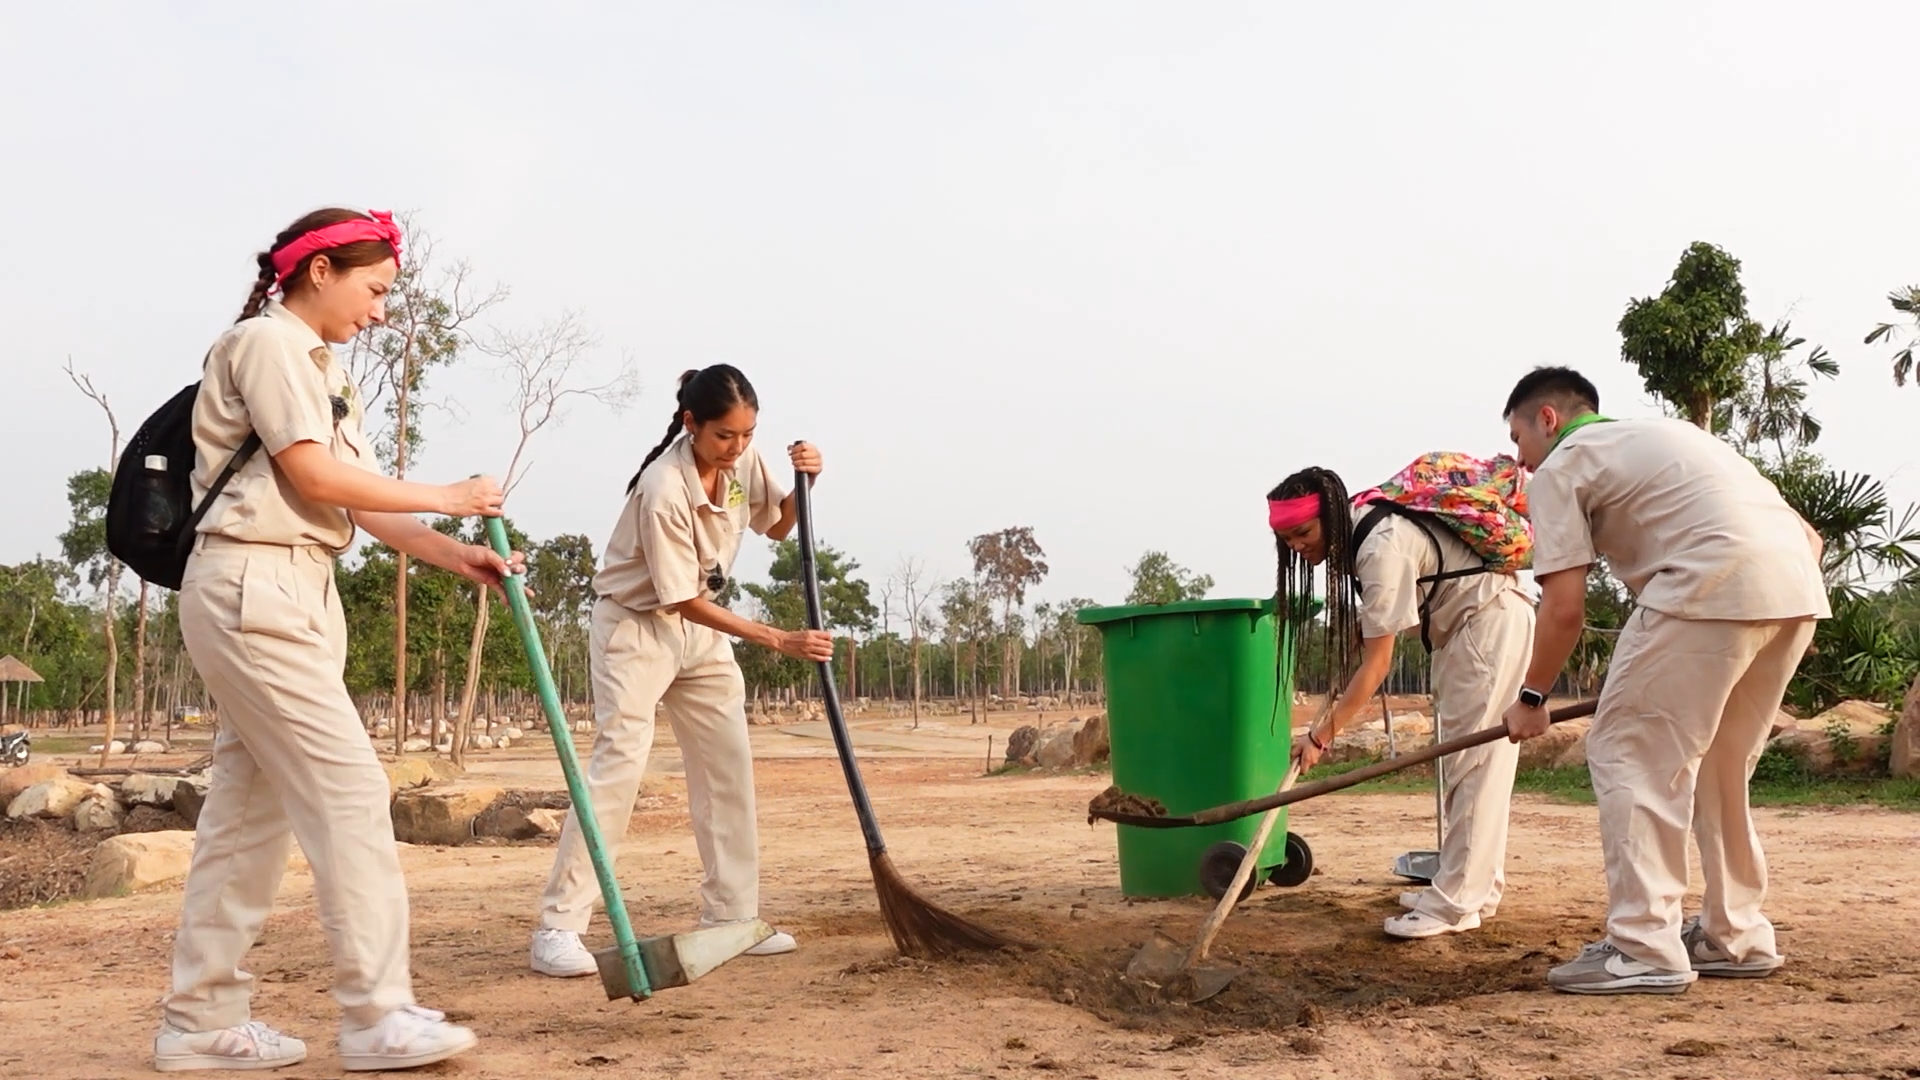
column 1294, row 588
column 708, row 394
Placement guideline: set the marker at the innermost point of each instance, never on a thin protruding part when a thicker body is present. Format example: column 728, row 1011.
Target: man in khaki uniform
column 1480, row 626
column 263, row 623
column 1727, row 587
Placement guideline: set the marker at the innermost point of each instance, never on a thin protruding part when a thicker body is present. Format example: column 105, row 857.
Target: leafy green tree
column 1692, row 342
column 1907, row 302
column 1771, row 406
column 430, row 310
column 846, row 604
column 85, row 546
column 1006, row 564
column 1157, row 579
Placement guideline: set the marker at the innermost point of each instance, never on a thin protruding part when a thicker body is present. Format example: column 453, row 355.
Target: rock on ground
column 417, row 772
column 143, row 790
column 1826, row 757
column 188, row 796
column 1904, row 760
column 1056, row 746
column 55, row 798
column 1543, row 752
column 132, row 861
column 15, row 781
column 1092, row 743
column 99, row 811
column 441, row 816
column 1858, row 717
column 1022, row 745
column 547, row 820
column 148, row 746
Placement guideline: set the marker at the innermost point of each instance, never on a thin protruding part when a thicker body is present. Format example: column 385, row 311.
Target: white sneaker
column 1411, row 900
column 559, row 953
column 1419, row 924
column 404, row 1038
column 780, row 942
column 252, row 1045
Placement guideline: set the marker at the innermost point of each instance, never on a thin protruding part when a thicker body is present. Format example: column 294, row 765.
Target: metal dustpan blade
column 1161, row 963
column 672, row 960
column 1418, row 866
column 1158, row 961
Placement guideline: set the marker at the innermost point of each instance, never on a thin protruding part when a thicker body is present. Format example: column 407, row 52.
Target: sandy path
column 1328, row 996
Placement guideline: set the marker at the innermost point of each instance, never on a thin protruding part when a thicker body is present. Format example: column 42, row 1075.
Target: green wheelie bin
column 1200, row 714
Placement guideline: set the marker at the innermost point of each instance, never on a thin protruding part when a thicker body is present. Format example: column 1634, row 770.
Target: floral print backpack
column 1481, row 501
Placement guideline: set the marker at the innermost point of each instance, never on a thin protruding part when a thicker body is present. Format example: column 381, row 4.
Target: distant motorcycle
column 15, row 748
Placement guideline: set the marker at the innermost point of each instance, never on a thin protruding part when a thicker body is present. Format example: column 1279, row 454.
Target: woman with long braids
column 660, row 637
column 1480, row 625
column 263, row 624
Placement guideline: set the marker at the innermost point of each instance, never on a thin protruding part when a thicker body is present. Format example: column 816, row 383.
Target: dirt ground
column 1328, row 995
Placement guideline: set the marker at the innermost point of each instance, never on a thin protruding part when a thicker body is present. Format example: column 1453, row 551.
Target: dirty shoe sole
column 385, row 1062
column 217, row 1062
column 1727, row 969
column 1630, row 984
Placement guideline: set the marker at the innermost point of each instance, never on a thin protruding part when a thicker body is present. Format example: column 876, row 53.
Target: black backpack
column 151, row 519
column 1380, row 508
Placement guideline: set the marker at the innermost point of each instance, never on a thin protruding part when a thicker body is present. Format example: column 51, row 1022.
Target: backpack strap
column 1380, row 509
column 239, row 460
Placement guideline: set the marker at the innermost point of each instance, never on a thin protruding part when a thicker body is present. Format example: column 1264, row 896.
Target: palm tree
column 1850, row 511
column 1771, row 406
column 1907, row 302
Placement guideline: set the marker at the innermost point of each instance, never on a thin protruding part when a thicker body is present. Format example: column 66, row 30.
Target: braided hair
column 706, row 395
column 1294, row 586
column 344, row 257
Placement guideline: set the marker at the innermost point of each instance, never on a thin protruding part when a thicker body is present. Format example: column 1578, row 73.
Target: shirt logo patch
column 736, row 495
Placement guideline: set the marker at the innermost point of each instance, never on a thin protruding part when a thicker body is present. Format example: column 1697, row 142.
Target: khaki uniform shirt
column 272, row 374
column 671, row 536
column 1397, row 553
column 1690, row 526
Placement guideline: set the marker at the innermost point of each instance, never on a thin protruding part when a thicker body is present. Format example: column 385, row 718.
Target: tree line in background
column 425, row 653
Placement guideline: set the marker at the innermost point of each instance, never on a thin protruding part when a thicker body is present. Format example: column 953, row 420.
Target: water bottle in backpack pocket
column 151, row 519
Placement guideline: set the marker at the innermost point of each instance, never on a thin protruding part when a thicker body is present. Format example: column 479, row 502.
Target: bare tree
column 85, row 385
column 428, row 315
column 546, row 365
column 908, row 585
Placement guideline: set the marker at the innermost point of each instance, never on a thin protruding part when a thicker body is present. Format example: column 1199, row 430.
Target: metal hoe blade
column 677, row 959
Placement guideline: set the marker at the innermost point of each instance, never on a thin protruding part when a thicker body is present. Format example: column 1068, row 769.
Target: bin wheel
column 1298, row 867
column 1218, row 866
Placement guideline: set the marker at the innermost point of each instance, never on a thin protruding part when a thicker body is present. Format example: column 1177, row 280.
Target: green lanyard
column 1574, row 425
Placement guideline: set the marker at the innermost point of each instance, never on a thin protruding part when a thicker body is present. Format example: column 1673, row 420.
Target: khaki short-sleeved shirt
column 273, row 375
column 1392, row 559
column 1690, row 526
column 671, row 536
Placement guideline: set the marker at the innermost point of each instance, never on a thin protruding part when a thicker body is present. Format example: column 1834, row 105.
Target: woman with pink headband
column 262, row 621
column 1481, row 628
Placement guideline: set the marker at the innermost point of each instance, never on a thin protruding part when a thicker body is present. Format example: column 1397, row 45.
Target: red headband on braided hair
column 338, row 234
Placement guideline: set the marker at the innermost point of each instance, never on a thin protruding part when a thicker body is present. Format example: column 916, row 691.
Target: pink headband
column 1284, row 514
column 333, row 236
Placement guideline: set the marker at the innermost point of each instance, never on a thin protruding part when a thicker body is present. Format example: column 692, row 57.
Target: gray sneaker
column 1709, row 958
column 1603, row 969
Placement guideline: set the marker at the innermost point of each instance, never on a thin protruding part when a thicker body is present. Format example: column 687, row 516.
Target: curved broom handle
column 816, row 620
column 1249, row 807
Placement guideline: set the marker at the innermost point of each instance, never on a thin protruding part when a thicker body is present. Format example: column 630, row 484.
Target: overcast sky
column 1106, row 269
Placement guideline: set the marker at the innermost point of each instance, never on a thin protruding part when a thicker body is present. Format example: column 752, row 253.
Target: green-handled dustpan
column 633, row 968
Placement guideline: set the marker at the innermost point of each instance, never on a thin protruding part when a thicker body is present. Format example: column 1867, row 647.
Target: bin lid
column 1094, row 616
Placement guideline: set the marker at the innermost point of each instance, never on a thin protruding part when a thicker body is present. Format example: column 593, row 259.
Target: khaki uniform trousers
column 640, row 661
column 264, row 627
column 1476, row 676
column 1685, row 714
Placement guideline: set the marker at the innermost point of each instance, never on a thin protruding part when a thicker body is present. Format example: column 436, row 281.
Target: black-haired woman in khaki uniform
column 262, row 621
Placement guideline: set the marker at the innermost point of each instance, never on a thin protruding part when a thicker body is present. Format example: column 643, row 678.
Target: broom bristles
column 921, row 928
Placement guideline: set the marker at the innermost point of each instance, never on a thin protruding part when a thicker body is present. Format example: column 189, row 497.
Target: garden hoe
column 1181, row 974
column 632, row 968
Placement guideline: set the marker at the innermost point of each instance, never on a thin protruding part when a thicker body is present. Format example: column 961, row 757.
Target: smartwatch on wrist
column 1531, row 698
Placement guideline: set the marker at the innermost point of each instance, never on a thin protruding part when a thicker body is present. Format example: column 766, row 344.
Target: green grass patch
column 1780, row 779
column 61, row 744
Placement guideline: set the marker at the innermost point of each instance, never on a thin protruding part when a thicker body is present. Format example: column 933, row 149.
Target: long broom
column 918, row 926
